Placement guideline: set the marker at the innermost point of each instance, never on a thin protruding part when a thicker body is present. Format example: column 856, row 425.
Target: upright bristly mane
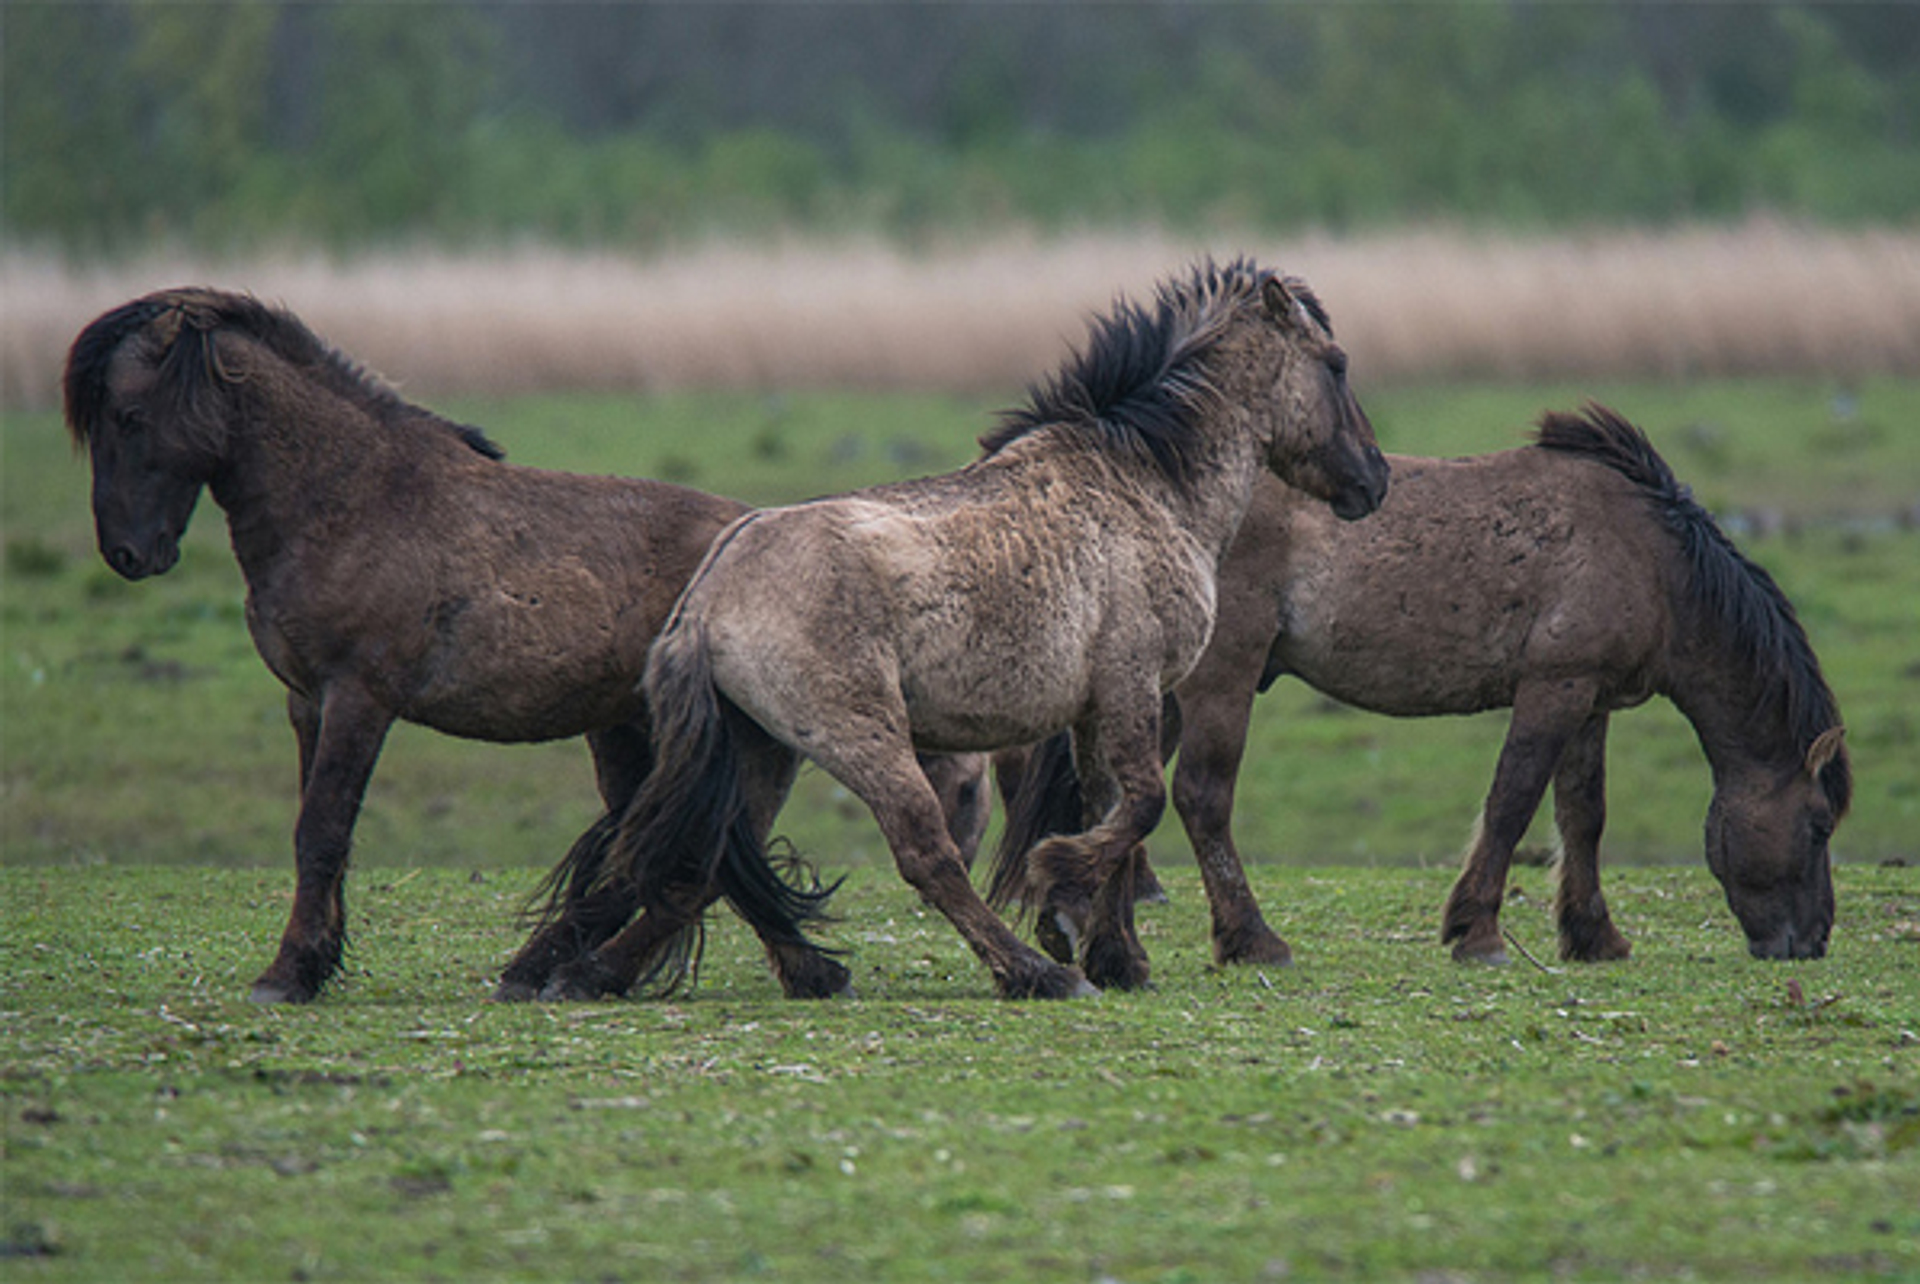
column 186, row 321
column 1751, row 611
column 1141, row 382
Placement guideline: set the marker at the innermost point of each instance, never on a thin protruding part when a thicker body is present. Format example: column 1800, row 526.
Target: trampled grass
column 1374, row 1112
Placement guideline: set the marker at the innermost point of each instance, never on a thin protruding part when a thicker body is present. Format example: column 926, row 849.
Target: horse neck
column 298, row 456
column 1721, row 693
column 1218, row 504
column 1227, row 471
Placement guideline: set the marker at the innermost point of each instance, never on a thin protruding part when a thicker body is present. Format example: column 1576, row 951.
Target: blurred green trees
column 256, row 121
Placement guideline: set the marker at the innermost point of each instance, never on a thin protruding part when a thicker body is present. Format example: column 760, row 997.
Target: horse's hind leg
column 339, row 740
column 881, row 769
column 767, row 771
column 1587, row 933
column 1546, row 716
column 575, row 922
column 1090, row 880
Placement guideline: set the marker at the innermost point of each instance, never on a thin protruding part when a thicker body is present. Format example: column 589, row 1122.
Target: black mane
column 1140, row 382
column 190, row 371
column 1753, row 613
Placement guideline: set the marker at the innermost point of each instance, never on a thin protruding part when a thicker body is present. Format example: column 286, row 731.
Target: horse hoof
column 1496, row 957
column 1607, row 947
column 576, row 984
column 1261, row 949
column 1053, row 982
column 823, row 978
column 267, row 992
column 514, row 992
column 1117, row 970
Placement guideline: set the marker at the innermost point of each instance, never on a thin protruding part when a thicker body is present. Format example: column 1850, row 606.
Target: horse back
column 1475, row 575
column 984, row 605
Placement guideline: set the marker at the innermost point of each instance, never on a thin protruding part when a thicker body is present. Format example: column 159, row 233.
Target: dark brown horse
column 1565, row 580
column 1066, row 578
column 395, row 569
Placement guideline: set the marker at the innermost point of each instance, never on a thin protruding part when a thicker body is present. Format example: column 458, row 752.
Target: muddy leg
column 584, row 921
column 1587, row 933
column 1115, row 958
column 1545, row 716
column 339, row 740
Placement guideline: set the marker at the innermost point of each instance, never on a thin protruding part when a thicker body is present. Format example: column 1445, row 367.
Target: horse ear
column 1279, row 300
column 166, row 327
column 1825, row 748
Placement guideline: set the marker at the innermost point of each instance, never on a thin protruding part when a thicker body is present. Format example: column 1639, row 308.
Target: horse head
column 1767, row 835
column 143, row 386
column 1323, row 442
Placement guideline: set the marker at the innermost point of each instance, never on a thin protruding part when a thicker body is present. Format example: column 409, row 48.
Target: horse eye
column 131, row 420
column 1337, row 362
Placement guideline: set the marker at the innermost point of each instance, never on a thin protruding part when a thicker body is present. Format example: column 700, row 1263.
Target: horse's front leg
column 1546, row 715
column 1216, row 700
column 1587, row 933
column 339, row 739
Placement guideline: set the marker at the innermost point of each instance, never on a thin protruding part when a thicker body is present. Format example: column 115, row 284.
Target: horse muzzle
column 132, row 563
column 1364, row 495
column 1789, row 945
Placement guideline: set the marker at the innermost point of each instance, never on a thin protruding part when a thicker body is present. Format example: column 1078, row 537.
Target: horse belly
column 1396, row 649
column 523, row 662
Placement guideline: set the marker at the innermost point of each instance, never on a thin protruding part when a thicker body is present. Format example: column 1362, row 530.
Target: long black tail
column 1046, row 801
column 689, row 833
column 569, row 882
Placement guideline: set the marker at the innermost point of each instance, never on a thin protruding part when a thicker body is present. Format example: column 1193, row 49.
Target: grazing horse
column 1064, row 579
column 395, row 569
column 1564, row 580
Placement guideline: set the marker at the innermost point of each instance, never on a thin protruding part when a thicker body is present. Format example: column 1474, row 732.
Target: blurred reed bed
column 1760, row 298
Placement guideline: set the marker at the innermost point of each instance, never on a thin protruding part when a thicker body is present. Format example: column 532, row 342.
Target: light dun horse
column 395, row 570
column 1566, row 580
column 1065, row 579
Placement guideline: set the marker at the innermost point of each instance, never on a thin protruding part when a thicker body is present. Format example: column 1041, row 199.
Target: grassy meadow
column 1373, row 1112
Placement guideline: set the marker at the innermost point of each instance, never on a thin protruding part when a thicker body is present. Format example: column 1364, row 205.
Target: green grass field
column 1374, row 1112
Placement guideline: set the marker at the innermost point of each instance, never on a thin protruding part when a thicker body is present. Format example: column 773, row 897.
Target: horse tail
column 578, row 872
column 1046, row 801
column 689, row 830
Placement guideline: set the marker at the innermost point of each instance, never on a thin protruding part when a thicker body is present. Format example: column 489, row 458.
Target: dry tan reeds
column 1760, row 298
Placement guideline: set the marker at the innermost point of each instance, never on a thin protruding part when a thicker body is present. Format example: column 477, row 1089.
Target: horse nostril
column 124, row 561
